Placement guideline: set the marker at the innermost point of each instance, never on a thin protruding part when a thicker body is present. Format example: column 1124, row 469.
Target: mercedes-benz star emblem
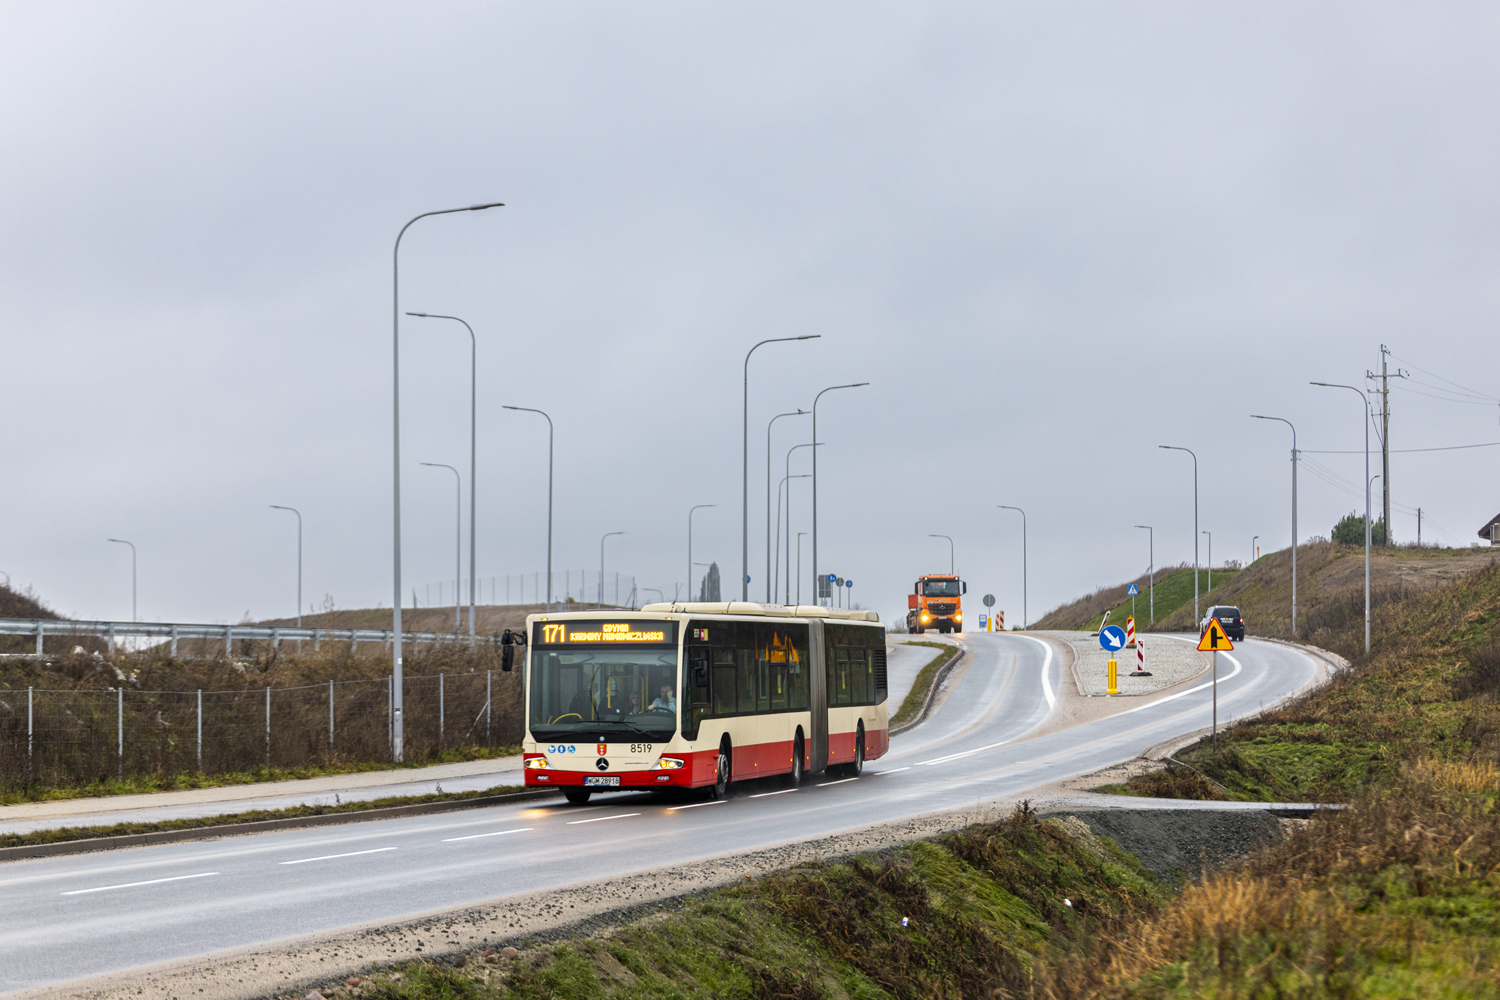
column 602, row 763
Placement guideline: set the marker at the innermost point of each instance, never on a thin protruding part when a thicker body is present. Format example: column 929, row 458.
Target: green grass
column 1174, row 591
column 917, row 696
column 137, row 784
column 965, row 915
column 71, row 833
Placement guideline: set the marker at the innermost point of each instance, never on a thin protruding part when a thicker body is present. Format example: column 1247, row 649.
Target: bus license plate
column 606, row 780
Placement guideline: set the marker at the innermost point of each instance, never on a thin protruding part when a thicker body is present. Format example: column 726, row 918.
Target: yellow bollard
column 1114, row 684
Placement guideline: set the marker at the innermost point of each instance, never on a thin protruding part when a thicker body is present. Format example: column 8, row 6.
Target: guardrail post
column 317, row 639
column 228, row 642
column 111, row 638
column 275, row 642
column 120, row 727
column 39, row 629
column 200, row 729
column 174, row 642
column 353, row 642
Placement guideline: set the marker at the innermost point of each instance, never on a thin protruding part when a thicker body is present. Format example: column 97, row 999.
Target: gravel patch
column 1169, row 660
column 1173, row 843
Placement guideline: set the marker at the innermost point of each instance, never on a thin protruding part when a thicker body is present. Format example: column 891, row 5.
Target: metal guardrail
column 173, row 632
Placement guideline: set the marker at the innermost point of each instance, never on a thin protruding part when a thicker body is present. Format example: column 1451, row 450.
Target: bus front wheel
column 797, row 761
column 720, row 788
column 577, row 796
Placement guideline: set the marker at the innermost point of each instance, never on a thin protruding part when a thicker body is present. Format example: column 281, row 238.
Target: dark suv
column 1230, row 618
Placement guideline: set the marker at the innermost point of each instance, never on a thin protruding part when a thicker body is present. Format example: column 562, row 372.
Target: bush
column 1351, row 530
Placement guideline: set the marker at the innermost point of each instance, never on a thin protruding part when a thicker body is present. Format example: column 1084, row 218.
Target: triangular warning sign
column 1214, row 638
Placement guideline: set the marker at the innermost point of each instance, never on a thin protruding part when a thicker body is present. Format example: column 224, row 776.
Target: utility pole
column 1385, row 377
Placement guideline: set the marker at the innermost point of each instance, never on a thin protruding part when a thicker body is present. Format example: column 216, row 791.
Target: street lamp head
column 416, row 314
column 809, row 336
column 493, row 204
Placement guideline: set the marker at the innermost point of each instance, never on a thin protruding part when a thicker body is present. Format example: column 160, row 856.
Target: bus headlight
column 537, row 763
column 958, row 617
column 668, row 764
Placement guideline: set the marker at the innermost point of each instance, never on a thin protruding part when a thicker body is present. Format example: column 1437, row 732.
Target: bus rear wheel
column 577, row 796
column 720, row 789
column 856, row 767
column 797, row 758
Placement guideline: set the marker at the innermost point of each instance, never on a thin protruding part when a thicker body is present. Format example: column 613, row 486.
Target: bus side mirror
column 509, row 640
column 965, row 586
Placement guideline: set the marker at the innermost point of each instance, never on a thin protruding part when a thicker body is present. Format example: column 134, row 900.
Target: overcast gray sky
column 1051, row 237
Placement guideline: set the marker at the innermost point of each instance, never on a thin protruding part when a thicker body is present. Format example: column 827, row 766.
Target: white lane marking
column 497, row 833
column 1046, row 664
column 600, row 819
column 966, row 753
column 892, row 770
column 695, row 805
column 825, row 784
column 761, row 795
column 330, row 857
column 132, row 885
column 1201, row 687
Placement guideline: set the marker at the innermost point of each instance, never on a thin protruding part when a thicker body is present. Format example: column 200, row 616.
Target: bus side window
column 746, row 669
column 724, row 682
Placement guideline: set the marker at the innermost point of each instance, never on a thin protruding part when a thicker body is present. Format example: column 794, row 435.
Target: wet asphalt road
column 87, row 915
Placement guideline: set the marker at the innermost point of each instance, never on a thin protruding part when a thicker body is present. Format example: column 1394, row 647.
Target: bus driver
column 667, row 702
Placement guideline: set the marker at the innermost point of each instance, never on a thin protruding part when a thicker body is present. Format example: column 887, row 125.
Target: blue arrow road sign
column 1112, row 638
column 1132, row 591
column 832, row 577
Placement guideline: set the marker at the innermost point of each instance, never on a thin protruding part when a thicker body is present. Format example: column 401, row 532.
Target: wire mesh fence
column 71, row 737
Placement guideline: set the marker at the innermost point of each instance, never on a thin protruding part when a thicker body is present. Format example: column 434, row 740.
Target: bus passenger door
column 817, row 740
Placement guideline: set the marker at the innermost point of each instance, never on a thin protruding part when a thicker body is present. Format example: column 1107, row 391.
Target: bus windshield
column 586, row 693
column 940, row 588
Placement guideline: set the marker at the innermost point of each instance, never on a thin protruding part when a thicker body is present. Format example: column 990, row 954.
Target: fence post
column 440, row 712
column 39, row 629
column 390, row 725
column 268, row 727
column 487, row 675
column 29, row 732
column 200, row 729
column 120, row 727
column 174, row 642
column 330, row 714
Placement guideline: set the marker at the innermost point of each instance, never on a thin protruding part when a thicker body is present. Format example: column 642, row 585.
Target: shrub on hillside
column 1351, row 530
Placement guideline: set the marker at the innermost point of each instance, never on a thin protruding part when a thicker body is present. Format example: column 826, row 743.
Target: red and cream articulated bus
column 701, row 695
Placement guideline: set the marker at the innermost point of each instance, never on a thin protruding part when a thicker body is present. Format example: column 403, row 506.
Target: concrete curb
column 263, row 826
column 937, row 682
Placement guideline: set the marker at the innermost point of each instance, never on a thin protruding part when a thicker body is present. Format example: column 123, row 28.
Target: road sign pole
column 1216, row 700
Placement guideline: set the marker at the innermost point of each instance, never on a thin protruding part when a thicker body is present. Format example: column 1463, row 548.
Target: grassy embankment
column 926, row 677
column 1174, row 593
column 965, row 915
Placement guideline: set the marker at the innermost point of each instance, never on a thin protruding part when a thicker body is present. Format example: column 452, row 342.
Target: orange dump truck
column 936, row 602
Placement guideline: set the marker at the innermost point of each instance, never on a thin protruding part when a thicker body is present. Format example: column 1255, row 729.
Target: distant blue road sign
column 832, row 577
column 848, row 583
column 1132, row 591
column 1112, row 638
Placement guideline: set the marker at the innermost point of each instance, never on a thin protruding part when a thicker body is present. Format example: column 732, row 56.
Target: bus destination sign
column 606, row 633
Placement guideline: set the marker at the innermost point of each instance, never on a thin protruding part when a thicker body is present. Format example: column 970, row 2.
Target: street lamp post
column 745, row 465
column 134, row 615
column 770, row 544
column 851, row 385
column 601, row 570
column 1151, row 566
column 950, row 552
column 397, row 727
column 786, row 485
column 1254, row 548
column 690, row 545
column 527, row 409
column 473, row 458
column 1173, row 447
column 1366, row 419
column 294, row 510
column 458, row 541
column 806, row 444
column 1024, row 609
column 1294, row 515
